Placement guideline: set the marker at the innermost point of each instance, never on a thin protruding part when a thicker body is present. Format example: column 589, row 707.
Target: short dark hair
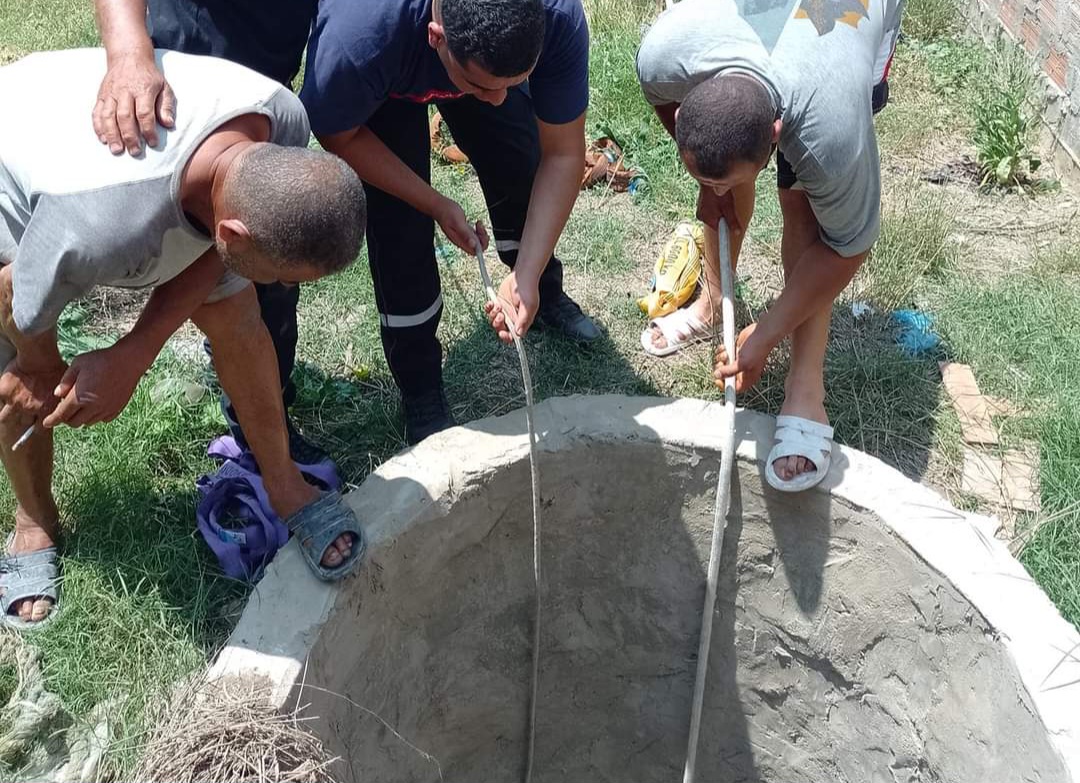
column 504, row 37
column 301, row 206
column 725, row 120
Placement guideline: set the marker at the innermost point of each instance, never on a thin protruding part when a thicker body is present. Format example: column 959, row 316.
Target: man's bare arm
column 817, row 279
column 376, row 164
column 134, row 95
column 666, row 113
column 98, row 385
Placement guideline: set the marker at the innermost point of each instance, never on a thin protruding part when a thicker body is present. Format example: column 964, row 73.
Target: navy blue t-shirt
column 363, row 52
column 267, row 36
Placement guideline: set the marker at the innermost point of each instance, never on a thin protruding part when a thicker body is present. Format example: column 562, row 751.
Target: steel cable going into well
column 534, row 470
column 721, row 506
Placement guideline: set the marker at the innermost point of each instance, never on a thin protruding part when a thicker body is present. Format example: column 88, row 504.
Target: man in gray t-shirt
column 229, row 194
column 731, row 80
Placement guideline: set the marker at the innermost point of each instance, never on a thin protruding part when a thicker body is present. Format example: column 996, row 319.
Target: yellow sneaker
column 677, row 271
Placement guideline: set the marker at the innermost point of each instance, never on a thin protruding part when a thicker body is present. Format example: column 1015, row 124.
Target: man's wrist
column 769, row 330
column 432, row 203
column 141, row 52
column 38, row 363
column 527, row 272
column 139, row 350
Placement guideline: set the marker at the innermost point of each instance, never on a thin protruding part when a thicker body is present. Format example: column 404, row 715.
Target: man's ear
column 233, row 233
column 776, row 126
column 435, row 33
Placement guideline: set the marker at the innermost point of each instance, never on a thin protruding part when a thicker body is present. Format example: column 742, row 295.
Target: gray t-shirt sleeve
column 693, row 41
column 667, row 65
column 289, row 121
column 844, row 191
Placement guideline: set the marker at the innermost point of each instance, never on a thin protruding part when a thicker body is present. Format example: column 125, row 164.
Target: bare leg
column 805, row 384
column 36, row 518
column 246, row 366
column 708, row 302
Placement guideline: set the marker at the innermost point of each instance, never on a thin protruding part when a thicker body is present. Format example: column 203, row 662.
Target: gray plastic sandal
column 28, row 575
column 317, row 525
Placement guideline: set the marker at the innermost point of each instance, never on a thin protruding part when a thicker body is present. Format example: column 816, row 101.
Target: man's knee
column 800, row 226
column 796, row 210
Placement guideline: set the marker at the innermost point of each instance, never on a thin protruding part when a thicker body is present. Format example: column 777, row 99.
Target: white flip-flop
column 680, row 329
column 799, row 437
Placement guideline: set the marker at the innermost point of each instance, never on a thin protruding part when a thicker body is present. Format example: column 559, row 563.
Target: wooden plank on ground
column 1009, row 479
column 976, row 426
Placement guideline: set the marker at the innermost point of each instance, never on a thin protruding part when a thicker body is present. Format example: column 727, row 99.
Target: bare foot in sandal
column 314, row 525
column 28, row 571
column 811, row 409
column 670, row 333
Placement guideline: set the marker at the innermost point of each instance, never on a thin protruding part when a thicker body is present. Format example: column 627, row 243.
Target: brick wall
column 1050, row 32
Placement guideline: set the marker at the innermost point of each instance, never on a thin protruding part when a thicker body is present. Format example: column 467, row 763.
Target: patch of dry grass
column 226, row 731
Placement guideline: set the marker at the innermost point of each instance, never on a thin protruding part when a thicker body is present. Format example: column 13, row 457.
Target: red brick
column 1029, row 32
column 1048, row 15
column 1009, row 16
column 1057, row 66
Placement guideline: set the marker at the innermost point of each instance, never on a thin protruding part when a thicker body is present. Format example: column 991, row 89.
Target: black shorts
column 785, row 175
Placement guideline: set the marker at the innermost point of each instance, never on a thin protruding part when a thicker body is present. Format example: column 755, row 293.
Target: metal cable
column 534, row 470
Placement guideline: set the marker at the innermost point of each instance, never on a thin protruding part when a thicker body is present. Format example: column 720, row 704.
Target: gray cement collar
column 282, row 620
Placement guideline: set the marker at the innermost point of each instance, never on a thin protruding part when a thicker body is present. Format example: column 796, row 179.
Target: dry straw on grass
column 226, row 731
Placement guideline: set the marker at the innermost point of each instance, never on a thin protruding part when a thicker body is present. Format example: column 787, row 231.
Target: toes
column 331, row 557
column 658, row 339
column 788, row 468
column 338, row 551
column 41, row 608
column 25, row 608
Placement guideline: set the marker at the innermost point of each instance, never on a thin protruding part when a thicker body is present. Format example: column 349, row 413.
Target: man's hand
column 28, row 394
column 525, row 301
column 133, row 98
column 752, row 350
column 711, row 207
column 97, row 386
column 451, row 219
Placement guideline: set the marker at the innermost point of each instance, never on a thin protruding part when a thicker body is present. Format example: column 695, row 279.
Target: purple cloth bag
column 234, row 514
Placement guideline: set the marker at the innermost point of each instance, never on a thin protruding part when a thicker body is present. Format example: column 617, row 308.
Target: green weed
column 1005, row 115
column 954, row 63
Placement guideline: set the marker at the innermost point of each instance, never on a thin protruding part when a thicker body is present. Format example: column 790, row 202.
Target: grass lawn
column 144, row 604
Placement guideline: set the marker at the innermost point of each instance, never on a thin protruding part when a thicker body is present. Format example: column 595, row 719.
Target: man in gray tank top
column 228, row 195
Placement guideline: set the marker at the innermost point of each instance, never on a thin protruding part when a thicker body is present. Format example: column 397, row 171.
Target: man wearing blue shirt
column 510, row 78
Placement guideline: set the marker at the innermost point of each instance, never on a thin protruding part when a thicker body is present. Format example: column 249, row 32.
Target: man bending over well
column 732, row 81
column 230, row 195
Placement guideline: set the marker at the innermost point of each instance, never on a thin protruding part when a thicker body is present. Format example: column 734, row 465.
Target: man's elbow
column 339, row 142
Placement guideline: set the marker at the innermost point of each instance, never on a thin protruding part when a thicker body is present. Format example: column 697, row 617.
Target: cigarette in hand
column 24, row 437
